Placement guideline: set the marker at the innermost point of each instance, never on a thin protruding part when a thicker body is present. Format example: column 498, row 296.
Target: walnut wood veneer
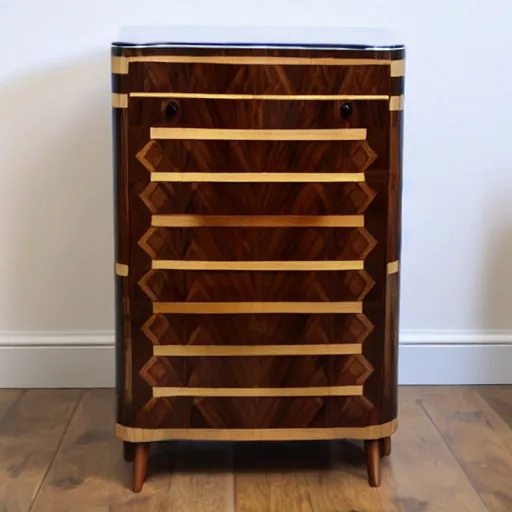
column 257, row 200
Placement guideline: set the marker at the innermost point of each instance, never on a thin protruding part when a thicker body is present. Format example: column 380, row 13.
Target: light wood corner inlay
column 119, row 100
column 393, row 267
column 122, row 269
column 120, row 65
column 396, row 102
column 398, row 68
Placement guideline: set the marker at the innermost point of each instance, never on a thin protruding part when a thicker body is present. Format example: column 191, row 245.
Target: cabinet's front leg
column 140, row 465
column 372, row 450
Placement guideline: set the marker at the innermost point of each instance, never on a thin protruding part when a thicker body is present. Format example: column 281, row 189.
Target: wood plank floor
column 452, row 452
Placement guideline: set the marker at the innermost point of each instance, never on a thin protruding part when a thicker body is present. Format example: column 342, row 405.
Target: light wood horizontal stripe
column 256, row 350
column 146, row 435
column 393, row 267
column 396, row 102
column 259, row 392
column 157, row 133
column 397, row 68
column 263, row 61
column 256, row 307
column 311, row 266
column 258, row 177
column 270, row 221
column 119, row 65
column 296, row 97
column 119, row 100
column 121, row 269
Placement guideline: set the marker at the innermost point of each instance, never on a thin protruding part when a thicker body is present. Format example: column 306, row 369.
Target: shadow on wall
column 56, row 263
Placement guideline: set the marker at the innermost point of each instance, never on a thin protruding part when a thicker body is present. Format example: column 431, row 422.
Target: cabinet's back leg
column 372, row 450
column 140, row 465
column 385, row 446
column 128, row 451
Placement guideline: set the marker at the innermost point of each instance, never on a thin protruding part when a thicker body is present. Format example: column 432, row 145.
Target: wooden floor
column 452, row 452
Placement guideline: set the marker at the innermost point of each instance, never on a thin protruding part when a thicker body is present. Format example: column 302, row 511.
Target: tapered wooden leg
column 128, row 451
column 140, row 465
column 372, row 450
column 385, row 446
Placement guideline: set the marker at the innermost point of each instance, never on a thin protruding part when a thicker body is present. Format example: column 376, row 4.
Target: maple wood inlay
column 257, row 265
column 286, row 97
column 220, row 134
column 396, row 103
column 119, row 65
column 257, row 307
column 397, row 68
column 256, row 350
column 393, row 267
column 121, row 269
column 119, row 100
column 259, row 392
column 248, row 177
column 139, row 435
column 259, row 61
column 257, row 220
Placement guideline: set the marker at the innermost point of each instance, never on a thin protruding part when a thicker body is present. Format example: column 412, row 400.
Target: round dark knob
column 171, row 109
column 346, row 110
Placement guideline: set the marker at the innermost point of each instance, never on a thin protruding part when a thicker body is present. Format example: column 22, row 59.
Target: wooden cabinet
column 257, row 202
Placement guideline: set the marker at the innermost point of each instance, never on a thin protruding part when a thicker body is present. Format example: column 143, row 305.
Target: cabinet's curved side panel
column 122, row 244
column 390, row 363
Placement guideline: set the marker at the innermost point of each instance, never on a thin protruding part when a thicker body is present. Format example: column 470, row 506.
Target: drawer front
column 212, row 78
column 253, row 156
column 255, row 372
column 261, row 244
column 257, row 413
column 164, row 198
column 180, row 285
column 229, row 330
column 260, row 114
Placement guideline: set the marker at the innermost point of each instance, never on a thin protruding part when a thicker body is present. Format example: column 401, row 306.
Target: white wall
column 55, row 194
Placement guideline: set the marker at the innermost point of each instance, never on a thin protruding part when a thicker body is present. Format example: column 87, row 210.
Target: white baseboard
column 63, row 360
column 87, row 360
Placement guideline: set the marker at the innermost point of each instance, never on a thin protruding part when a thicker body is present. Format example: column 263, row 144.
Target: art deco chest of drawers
column 257, row 200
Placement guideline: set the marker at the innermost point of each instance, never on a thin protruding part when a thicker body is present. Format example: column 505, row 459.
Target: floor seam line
column 421, row 405
column 57, row 450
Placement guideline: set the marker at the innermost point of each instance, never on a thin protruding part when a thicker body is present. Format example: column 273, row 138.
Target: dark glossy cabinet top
column 255, row 36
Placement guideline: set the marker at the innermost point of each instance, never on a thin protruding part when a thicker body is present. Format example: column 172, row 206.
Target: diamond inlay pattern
column 258, row 244
column 256, row 156
column 256, row 329
column 256, row 371
column 237, row 286
column 258, row 198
